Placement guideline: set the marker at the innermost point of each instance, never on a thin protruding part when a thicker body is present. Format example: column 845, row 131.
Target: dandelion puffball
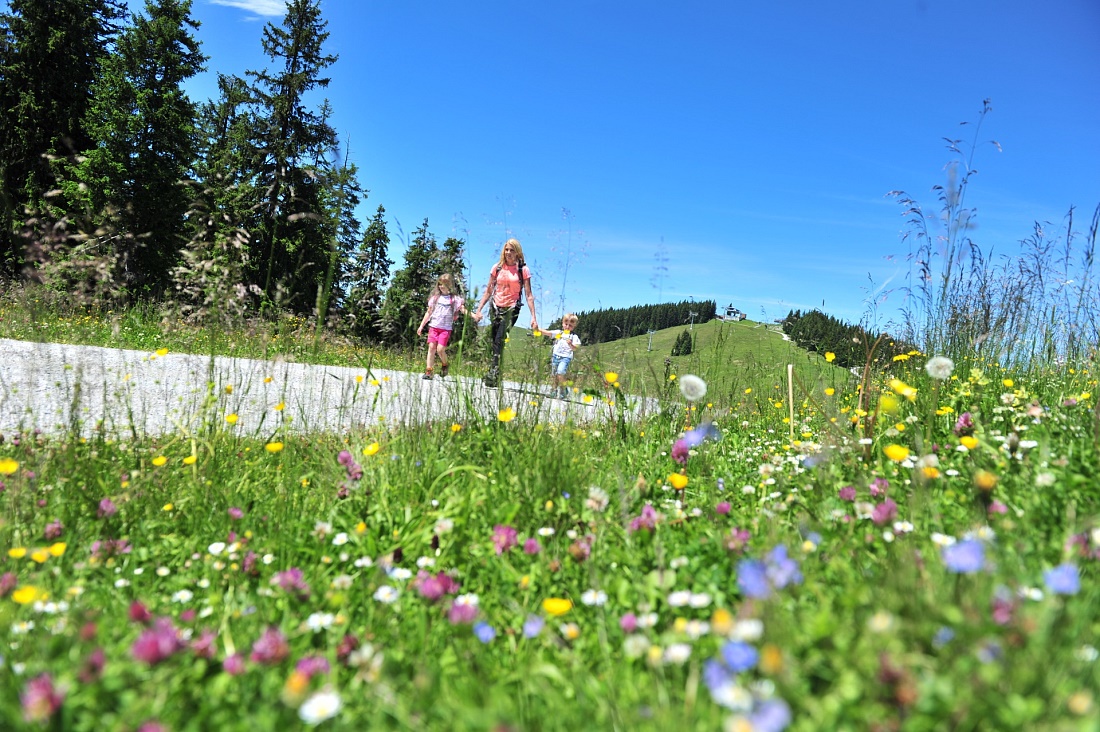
column 692, row 387
column 940, row 367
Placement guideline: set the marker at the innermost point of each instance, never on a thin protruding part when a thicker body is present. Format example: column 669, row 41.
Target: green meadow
column 915, row 551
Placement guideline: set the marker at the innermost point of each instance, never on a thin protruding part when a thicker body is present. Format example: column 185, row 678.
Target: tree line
column 816, row 331
column 611, row 324
column 114, row 182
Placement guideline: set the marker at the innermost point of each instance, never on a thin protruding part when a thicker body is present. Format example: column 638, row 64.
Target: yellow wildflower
column 273, row 447
column 506, row 415
column 40, row 555
column 372, row 449
column 17, row 552
column 968, row 442
column 190, row 460
column 8, row 466
column 678, row 481
column 280, row 406
column 162, row 351
column 456, row 427
column 830, row 356
column 159, row 460
column 557, row 606
column 897, row 453
column 26, row 595
column 611, row 377
column 57, row 549
column 231, row 418
column 829, row 391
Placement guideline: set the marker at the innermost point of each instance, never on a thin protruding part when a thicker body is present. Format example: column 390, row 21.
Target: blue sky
column 753, row 141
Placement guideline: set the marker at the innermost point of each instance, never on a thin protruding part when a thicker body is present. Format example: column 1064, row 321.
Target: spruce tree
column 367, row 277
column 290, row 141
column 50, row 57
column 412, row 285
column 144, row 126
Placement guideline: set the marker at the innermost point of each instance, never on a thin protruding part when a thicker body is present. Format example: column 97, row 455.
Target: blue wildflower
column 715, row 675
column 943, row 636
column 1063, row 579
column 965, row 557
column 739, row 656
column 752, row 579
column 771, row 716
column 484, row 632
column 782, row 570
column 533, row 626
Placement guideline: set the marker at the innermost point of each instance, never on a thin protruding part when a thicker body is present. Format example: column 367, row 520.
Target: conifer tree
column 411, row 286
column 367, row 277
column 50, row 57
column 288, row 149
column 144, row 126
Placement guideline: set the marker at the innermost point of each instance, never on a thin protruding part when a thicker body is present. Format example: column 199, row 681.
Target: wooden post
column 790, row 396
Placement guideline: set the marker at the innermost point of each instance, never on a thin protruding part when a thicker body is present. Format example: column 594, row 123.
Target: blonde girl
column 443, row 305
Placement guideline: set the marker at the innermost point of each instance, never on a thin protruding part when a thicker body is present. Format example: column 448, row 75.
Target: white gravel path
column 56, row 387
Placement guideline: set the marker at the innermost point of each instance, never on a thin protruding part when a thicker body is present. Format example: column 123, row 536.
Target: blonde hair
column 449, row 281
column 514, row 243
column 569, row 316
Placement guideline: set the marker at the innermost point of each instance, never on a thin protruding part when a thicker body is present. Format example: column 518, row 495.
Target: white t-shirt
column 562, row 339
column 443, row 311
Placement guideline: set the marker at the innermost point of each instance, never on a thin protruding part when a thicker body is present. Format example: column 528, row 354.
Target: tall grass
column 1040, row 304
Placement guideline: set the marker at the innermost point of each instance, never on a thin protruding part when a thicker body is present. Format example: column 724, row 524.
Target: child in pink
column 443, row 305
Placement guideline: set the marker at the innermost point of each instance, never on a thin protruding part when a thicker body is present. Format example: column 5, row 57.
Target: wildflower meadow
column 918, row 549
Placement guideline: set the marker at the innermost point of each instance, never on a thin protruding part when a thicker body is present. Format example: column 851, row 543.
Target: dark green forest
column 115, row 185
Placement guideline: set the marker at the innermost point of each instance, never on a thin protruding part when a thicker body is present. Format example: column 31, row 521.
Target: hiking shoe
column 491, row 380
column 427, row 376
column 564, row 394
column 444, row 369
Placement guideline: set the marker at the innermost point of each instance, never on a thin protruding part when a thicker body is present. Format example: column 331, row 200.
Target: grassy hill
column 728, row 355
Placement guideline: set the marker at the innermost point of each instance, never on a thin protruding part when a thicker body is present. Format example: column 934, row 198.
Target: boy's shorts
column 438, row 335
column 560, row 364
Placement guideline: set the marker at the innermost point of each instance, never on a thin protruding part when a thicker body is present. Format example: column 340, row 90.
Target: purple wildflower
column 293, row 582
column 532, row 546
column 236, row 513
column 680, row 451
column 8, row 581
column 504, row 538
column 847, row 493
column 40, row 699
column 737, row 540
column 628, row 622
column 964, row 425
column 233, row 664
column 879, row 486
column 462, row 613
column 271, row 647
column 647, row 520
column 884, row 512
column 107, row 508
column 157, row 642
column 92, row 668
column 722, row 508
column 205, row 646
column 54, row 530
column 433, row 587
column 310, row 666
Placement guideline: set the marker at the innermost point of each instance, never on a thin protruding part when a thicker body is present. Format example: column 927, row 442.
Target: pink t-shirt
column 507, row 288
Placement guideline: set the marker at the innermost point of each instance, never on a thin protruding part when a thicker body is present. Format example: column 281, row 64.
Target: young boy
column 565, row 343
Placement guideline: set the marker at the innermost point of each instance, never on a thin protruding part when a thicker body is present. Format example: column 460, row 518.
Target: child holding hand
column 440, row 318
column 565, row 343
